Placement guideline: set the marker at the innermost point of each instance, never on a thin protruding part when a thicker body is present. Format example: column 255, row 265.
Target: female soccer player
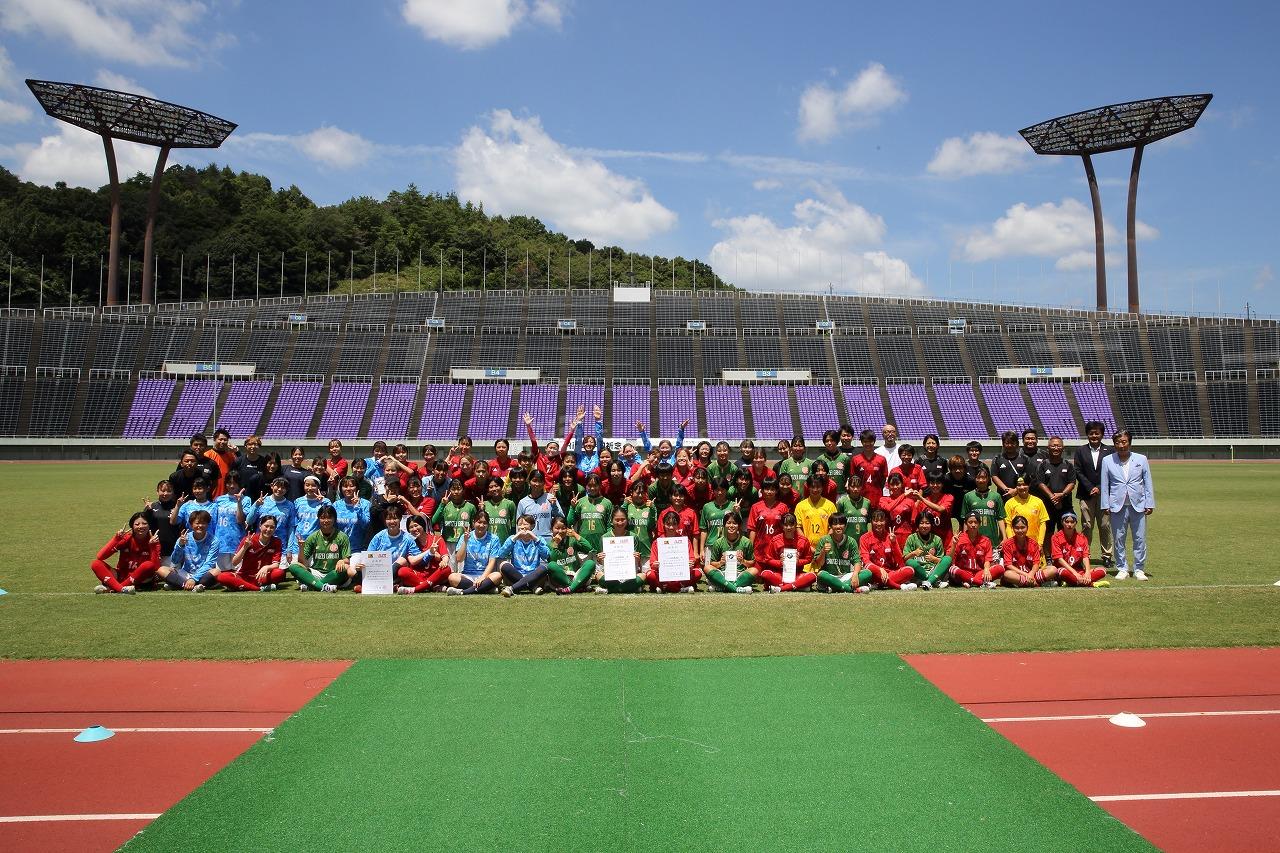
column 522, row 559
column 688, row 518
column 434, row 571
column 569, row 563
column 353, row 513
column 986, row 503
column 589, row 517
column 501, row 463
column 642, row 519
column 1070, row 550
column 1023, row 504
column 666, row 450
column 836, row 460
column 699, row 493
column 276, row 504
column 702, row 454
column 815, row 510
column 1023, row 563
column 971, row 551
column 669, row 526
column 838, row 561
column 729, row 540
column 721, row 467
column 903, row 507
column 567, row 490
column 477, row 569
column 882, row 556
column 453, row 518
column 587, row 447
column 926, row 553
column 939, row 506
column 296, row 472
column 855, row 507
column 871, row 467
column 787, row 492
column 230, row 512
column 774, row 553
column 305, row 509
column 913, row 476
column 139, row 551
column 765, row 518
column 255, row 565
column 620, row 525
column 193, row 558
column 742, row 493
column 682, row 470
column 711, row 516
column 614, row 486
column 501, row 510
column 402, row 546
column 546, row 460
column 197, row 500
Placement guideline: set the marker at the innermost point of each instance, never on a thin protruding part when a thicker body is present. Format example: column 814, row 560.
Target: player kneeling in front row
column 1070, row 550
column 925, row 554
column 730, row 557
column 838, row 561
column 434, row 571
column 777, row 554
column 619, row 525
column 193, row 558
column 476, row 561
column 255, row 565
column 1023, row 562
column 669, row 527
column 971, row 563
column 324, row 560
column 882, row 557
column 139, row 551
column 570, row 565
column 523, row 559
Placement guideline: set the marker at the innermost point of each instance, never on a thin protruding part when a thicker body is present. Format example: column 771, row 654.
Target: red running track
column 143, row 773
column 1170, row 755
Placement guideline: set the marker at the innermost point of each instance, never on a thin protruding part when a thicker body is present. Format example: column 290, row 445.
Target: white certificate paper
column 789, row 565
column 377, row 579
column 731, row 566
column 673, row 558
column 619, row 558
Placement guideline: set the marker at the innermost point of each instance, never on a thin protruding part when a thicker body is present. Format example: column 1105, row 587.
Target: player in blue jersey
column 304, row 512
column 522, row 559
column 193, row 558
column 353, row 513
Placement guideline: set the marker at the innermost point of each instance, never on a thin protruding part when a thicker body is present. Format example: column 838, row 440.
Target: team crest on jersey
column 502, row 513
column 333, row 547
column 991, row 504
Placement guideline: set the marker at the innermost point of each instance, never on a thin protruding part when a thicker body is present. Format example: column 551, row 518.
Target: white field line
column 1190, row 795
column 54, row 818
column 147, row 730
column 1066, row 717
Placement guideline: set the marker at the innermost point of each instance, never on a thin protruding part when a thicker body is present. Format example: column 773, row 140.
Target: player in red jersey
column 765, row 518
column 1023, row 562
column 770, row 558
column 971, row 563
column 501, row 462
column 255, row 565
column 760, row 470
column 940, row 507
column 1070, row 551
column 670, row 527
column 871, row 467
column 433, row 574
column 902, row 506
column 139, row 551
column 882, row 557
column 913, row 475
column 688, row 515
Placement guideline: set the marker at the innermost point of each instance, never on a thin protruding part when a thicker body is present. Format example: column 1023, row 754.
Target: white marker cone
column 1128, row 721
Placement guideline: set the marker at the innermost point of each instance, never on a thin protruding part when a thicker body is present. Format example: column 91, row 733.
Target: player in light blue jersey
column 402, row 546
column 276, row 504
column 353, row 513
column 304, row 512
column 522, row 559
column 182, row 511
column 230, row 514
column 476, row 559
column 193, row 557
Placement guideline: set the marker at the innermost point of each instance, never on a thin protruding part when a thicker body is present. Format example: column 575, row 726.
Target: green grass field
column 1213, row 547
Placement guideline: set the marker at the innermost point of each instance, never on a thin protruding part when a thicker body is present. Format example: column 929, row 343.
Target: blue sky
column 795, row 147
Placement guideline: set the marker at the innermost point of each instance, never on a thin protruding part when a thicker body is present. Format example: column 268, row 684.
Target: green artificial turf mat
column 799, row 753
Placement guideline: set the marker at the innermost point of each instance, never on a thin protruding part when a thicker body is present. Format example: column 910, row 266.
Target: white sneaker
column 744, row 590
column 100, row 589
column 453, row 590
column 302, row 587
column 267, row 588
column 909, row 587
column 198, row 588
column 775, row 589
column 989, row 585
column 1139, row 575
column 943, row 584
column 537, row 590
column 926, row 585
column 329, row 587
column 1122, row 575
column 864, row 589
column 404, row 590
column 129, row 590
column 507, row 592
column 601, row 591
column 688, row 589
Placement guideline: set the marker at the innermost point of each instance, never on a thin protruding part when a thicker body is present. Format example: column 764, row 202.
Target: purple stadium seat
column 149, row 402
column 960, row 411
column 195, row 406
column 1008, row 409
column 630, row 404
column 242, row 412
column 582, row 395
column 725, row 418
column 817, row 404
column 344, row 410
column 490, row 411
column 771, row 412
column 294, row 408
column 675, row 404
column 1055, row 412
column 539, row 401
column 1095, row 405
column 441, row 412
column 866, row 410
column 392, row 410
column 911, row 413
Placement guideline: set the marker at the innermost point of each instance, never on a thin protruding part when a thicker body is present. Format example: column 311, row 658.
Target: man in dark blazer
column 1088, row 462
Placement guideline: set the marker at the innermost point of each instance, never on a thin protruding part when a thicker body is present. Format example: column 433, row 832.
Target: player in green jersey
column 502, row 511
column 642, row 519
column 722, row 467
column 711, row 519
column 989, row 507
column 324, row 560
column 570, row 565
column 620, row 525
column 837, row 461
column 855, row 506
column 590, row 515
column 838, row 561
column 795, row 464
column 453, row 517
column 731, row 541
column 925, row 552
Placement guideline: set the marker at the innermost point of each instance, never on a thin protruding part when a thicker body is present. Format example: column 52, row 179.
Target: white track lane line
column 56, row 818
column 1190, row 795
column 1067, row 717
column 145, row 730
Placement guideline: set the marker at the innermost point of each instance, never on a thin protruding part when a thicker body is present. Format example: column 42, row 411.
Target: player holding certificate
column 785, row 557
column 673, row 565
column 730, row 558
column 619, row 531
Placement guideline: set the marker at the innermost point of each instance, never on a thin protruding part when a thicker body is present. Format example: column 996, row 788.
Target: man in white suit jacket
column 1129, row 496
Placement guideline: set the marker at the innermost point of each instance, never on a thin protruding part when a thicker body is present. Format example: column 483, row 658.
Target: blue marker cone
column 93, row 734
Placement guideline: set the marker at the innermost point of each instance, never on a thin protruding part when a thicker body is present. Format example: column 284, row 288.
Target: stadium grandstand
column 432, row 366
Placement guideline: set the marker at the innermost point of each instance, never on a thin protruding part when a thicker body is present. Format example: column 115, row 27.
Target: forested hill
column 211, row 214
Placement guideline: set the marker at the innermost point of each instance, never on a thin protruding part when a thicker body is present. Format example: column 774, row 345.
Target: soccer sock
column 174, row 580
column 530, row 580
column 770, row 577
column 804, row 581
column 898, row 577
column 558, row 575
column 651, row 577
column 939, row 570
column 716, row 578
column 1096, row 575
column 407, row 576
column 961, row 575
column 825, row 578
column 304, row 576
column 632, row 585
column 439, row 577
column 231, row 580
column 917, row 565
column 141, row 574
column 865, row 576
column 105, row 575
column 584, row 573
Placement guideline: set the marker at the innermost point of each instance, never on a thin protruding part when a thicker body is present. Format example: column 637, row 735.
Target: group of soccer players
column 849, row 519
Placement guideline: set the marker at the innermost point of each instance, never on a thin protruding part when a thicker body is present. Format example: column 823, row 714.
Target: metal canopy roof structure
column 1116, row 127
column 1134, row 124
column 133, row 118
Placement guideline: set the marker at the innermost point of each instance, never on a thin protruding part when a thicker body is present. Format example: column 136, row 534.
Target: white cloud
column 767, row 184
column 517, row 168
column 76, row 156
column 141, row 32
column 625, row 154
column 791, row 167
column 1063, row 231
column 478, row 23
column 108, row 79
column 11, row 112
column 826, row 113
column 327, row 145
column 983, row 153
column 832, row 242
column 1263, row 278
